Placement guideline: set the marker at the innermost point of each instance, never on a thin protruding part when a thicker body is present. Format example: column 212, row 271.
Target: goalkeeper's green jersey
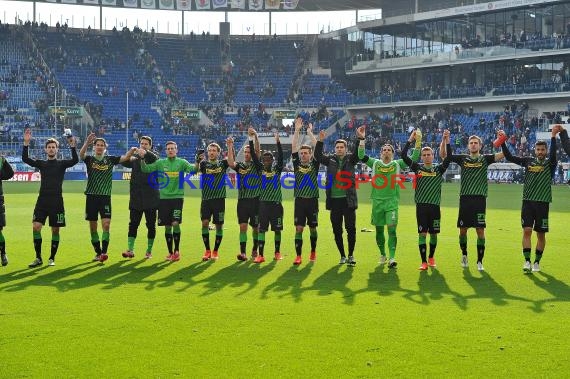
column 385, row 184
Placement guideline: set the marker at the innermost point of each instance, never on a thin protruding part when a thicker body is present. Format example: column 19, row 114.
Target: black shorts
column 51, row 207
column 248, row 211
column 2, row 212
column 306, row 211
column 428, row 217
column 472, row 212
column 213, row 208
column 535, row 214
column 270, row 212
column 169, row 211
column 96, row 205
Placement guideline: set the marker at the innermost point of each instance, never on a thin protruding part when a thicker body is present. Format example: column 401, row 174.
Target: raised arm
column 552, row 153
column 88, row 142
column 279, row 153
column 564, row 139
column 507, row 154
column 257, row 145
column 231, row 153
column 361, row 134
column 252, row 137
column 442, row 145
column 311, row 135
column 416, row 153
column 295, row 141
column 74, row 158
column 409, row 162
column 319, row 156
column 447, row 160
column 25, row 150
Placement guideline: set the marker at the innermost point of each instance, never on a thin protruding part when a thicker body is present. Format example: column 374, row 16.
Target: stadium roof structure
column 298, row 5
column 336, row 5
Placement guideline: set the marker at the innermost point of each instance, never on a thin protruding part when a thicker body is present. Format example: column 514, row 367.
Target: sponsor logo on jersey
column 100, row 166
column 535, row 168
column 213, row 171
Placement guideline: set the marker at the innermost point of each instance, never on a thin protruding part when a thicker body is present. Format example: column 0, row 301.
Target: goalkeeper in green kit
column 385, row 195
column 171, row 201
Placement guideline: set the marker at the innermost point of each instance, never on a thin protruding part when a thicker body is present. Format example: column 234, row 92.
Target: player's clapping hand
column 322, row 135
column 298, row 124
column 27, row 136
column 90, row 138
column 361, row 132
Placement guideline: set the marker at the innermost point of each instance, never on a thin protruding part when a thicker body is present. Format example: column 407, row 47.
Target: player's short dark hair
column 170, row 143
column 100, row 139
column 427, row 148
column 148, row 139
column 51, row 140
column 340, row 141
column 306, row 147
column 268, row 154
column 541, row 143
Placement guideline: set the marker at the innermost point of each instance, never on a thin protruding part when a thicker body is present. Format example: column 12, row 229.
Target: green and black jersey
column 538, row 173
column 100, row 174
column 248, row 180
column 428, row 178
column 270, row 179
column 306, row 177
column 473, row 173
column 213, row 179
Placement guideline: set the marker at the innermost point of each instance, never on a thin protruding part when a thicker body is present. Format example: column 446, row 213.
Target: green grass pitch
column 139, row 318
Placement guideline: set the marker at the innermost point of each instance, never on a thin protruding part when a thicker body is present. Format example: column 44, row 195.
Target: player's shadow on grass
column 237, row 275
column 486, row 287
column 433, row 286
column 133, row 272
column 44, row 276
column 559, row 290
column 21, row 274
column 335, row 279
column 386, row 282
column 185, row 274
column 100, row 274
column 289, row 283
